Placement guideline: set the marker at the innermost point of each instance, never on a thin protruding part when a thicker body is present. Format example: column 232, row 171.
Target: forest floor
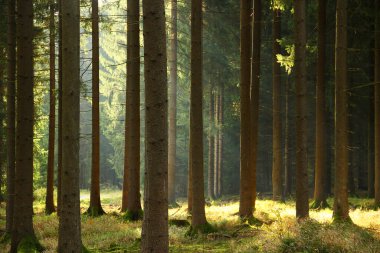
column 280, row 231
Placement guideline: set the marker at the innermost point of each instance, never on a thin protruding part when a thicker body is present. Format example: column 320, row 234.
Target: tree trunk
column 320, row 134
column 23, row 208
column 255, row 90
column 11, row 114
column 341, row 208
column 49, row 205
column 155, row 236
column 220, row 145
column 371, row 171
column 198, row 219
column 172, row 101
column 245, row 204
column 69, row 236
column 2, row 114
column 277, row 157
column 377, row 105
column 95, row 208
column 132, row 123
column 302, row 194
column 216, row 142
column 287, row 174
column 190, row 181
column 211, row 140
column 60, row 91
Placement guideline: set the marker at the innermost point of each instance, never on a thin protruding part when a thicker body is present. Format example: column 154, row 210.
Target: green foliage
column 29, row 244
column 133, row 216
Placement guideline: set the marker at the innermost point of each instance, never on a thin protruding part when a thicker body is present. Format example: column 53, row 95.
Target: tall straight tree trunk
column 302, row 193
column 220, row 140
column 288, row 172
column 320, row 134
column 69, row 234
column 60, row 91
column 377, row 105
column 341, row 209
column 190, row 181
column 371, row 121
column 132, row 123
column 155, row 236
column 211, row 140
column 198, row 218
column 49, row 205
column 216, row 142
column 11, row 114
column 2, row 114
column 255, row 93
column 277, row 156
column 245, row 203
column 95, row 208
column 23, row 208
column 172, row 101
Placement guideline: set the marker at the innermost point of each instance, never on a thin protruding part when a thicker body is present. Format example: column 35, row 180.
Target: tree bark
column 198, row 218
column 371, row 164
column 302, row 194
column 255, row 94
column 341, row 209
column 288, row 171
column 320, row 134
column 216, row 142
column 277, row 156
column 211, row 140
column 172, row 101
column 245, row 204
column 23, row 208
column 49, row 205
column 60, row 91
column 69, row 234
column 220, row 145
column 132, row 123
column 155, row 236
column 11, row 114
column 377, row 105
column 190, row 181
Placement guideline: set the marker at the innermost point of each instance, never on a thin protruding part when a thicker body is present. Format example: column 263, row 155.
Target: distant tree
column 320, row 135
column 302, row 193
column 173, row 44
column 132, row 122
column 276, row 98
column 245, row 204
column 11, row 114
column 211, row 140
column 377, row 104
column 69, row 234
column 95, row 208
column 341, row 208
column 49, row 205
column 155, row 236
column 23, row 208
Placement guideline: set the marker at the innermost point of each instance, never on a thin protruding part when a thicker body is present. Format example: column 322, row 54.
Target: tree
column 245, row 204
column 155, row 236
column 11, row 114
column 69, row 234
column 60, row 91
column 341, row 209
column 95, row 208
column 211, row 140
column 198, row 219
column 23, row 208
column 172, row 100
column 276, row 98
column 132, row 123
column 49, row 205
column 302, row 194
column 320, row 134
column 377, row 104
column 255, row 93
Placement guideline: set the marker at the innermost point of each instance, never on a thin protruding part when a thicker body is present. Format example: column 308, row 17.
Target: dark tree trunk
column 155, row 236
column 341, row 209
column 302, row 193
column 49, row 205
column 377, row 104
column 371, row 171
column 255, row 89
column 60, row 91
column 277, row 156
column 196, row 120
column 216, row 142
column 320, row 135
column 11, row 114
column 287, row 160
column 245, row 204
column 23, row 208
column 190, row 181
column 220, row 145
column 211, row 140
column 69, row 234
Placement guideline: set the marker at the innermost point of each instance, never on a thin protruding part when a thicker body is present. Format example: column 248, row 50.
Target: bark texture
column 60, row 91
column 377, row 105
column 211, row 141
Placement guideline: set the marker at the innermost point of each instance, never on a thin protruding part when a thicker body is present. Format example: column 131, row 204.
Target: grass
column 280, row 231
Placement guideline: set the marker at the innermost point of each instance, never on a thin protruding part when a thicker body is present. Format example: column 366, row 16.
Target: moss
column 29, row 244
column 204, row 229
column 252, row 221
column 95, row 211
column 318, row 204
column 337, row 219
column 133, row 215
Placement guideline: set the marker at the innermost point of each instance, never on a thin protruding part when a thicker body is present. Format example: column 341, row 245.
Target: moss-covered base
column 133, row 215
column 319, row 204
column 95, row 211
column 337, row 219
column 252, row 221
column 206, row 228
column 179, row 223
column 29, row 244
column 49, row 211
